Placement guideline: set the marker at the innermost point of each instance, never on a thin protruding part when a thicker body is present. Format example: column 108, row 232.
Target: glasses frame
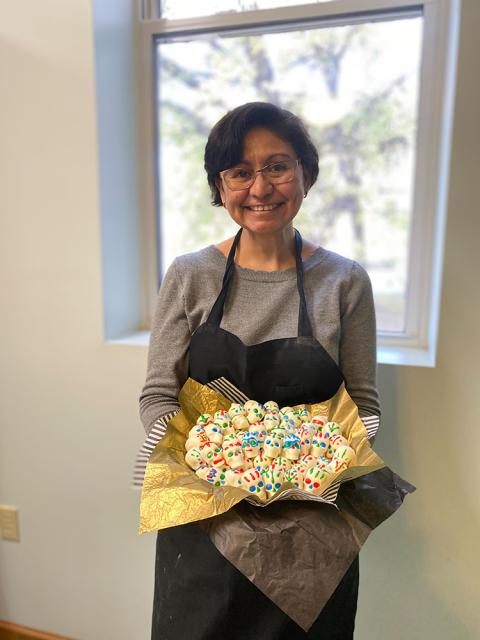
column 297, row 161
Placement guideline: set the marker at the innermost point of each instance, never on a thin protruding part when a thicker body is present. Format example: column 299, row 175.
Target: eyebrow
column 268, row 160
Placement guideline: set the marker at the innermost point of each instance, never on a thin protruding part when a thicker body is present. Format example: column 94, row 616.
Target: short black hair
column 224, row 148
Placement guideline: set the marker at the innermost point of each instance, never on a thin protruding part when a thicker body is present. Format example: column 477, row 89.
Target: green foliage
column 358, row 149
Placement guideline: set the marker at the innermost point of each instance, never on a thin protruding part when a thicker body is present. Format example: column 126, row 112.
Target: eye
column 239, row 173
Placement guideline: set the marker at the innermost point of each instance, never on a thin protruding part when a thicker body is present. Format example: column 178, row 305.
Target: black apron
column 199, row 595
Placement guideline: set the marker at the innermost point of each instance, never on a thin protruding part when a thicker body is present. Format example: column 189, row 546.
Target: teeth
column 265, row 207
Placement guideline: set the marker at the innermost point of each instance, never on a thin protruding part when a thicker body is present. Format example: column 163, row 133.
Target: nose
column 261, row 187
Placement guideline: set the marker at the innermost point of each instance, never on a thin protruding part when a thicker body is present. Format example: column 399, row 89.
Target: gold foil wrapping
column 173, row 495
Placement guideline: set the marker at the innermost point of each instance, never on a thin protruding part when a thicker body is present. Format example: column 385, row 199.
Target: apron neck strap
column 216, row 314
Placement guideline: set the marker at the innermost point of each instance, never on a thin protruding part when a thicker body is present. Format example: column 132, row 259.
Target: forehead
column 261, row 145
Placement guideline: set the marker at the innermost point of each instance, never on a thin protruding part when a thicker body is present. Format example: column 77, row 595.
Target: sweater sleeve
column 357, row 353
column 167, row 368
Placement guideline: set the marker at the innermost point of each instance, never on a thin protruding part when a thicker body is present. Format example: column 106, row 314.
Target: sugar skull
column 286, row 410
column 346, row 454
column 232, row 452
column 303, row 414
column 240, row 435
column 252, row 404
column 261, row 461
column 255, row 414
column 336, row 466
column 214, row 433
column 224, row 425
column 248, row 464
column 322, row 463
column 320, row 443
column 289, row 422
column 212, row 454
column 296, row 475
column 250, row 445
column 196, row 437
column 240, row 423
column 221, row 415
column 319, row 420
column 260, row 434
column 271, row 405
column 204, row 418
column 316, row 480
column 271, row 420
column 274, row 477
column 282, row 462
column 236, row 410
column 233, row 477
column 333, row 428
column 217, row 477
column 252, row 481
column 194, row 459
column 272, row 446
column 203, row 471
column 279, row 432
column 307, row 461
column 305, row 436
column 308, row 426
column 335, row 442
column 292, row 446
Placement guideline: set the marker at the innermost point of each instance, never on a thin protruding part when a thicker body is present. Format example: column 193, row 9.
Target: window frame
column 435, row 116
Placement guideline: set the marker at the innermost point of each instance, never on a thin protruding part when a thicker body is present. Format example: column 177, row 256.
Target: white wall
column 69, row 426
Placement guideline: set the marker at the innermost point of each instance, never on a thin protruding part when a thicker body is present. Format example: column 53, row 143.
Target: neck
column 267, row 252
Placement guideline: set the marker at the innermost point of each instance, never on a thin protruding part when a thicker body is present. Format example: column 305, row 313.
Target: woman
column 279, row 317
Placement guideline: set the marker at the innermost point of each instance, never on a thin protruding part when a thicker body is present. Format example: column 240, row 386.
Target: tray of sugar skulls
column 216, row 453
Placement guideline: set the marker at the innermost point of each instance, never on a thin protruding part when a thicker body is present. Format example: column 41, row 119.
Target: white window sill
column 395, row 355
column 406, row 356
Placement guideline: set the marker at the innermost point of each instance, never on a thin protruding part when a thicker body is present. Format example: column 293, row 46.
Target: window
column 370, row 79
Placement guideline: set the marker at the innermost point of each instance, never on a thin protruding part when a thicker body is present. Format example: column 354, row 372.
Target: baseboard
column 10, row 631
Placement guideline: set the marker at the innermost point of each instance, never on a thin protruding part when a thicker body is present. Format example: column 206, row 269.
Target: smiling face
column 264, row 207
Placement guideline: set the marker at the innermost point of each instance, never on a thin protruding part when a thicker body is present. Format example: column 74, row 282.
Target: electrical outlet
column 9, row 523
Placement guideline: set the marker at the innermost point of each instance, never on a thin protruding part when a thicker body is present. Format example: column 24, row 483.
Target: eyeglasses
column 239, row 178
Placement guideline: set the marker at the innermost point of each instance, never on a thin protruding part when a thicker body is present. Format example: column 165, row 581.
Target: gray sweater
column 262, row 306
